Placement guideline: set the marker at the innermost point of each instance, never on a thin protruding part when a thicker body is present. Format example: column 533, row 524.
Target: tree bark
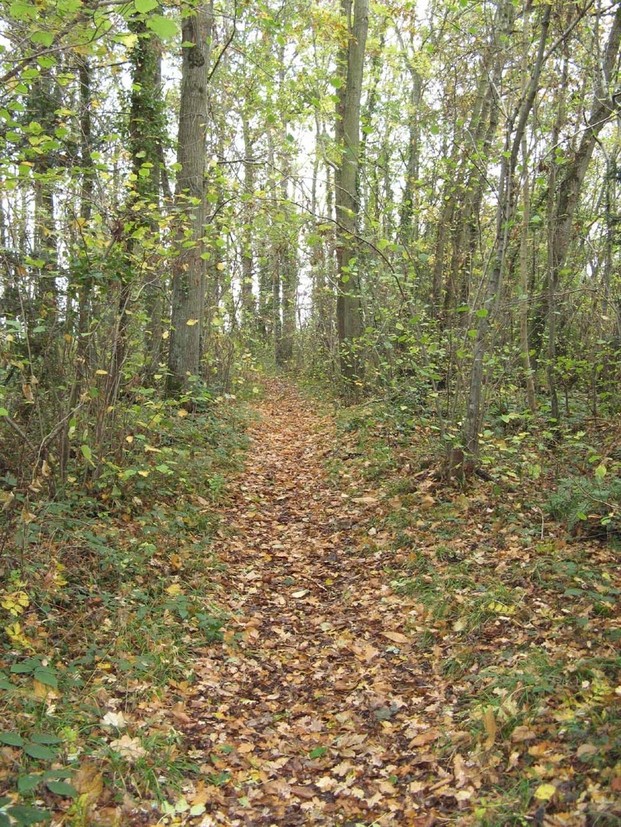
column 188, row 269
column 347, row 131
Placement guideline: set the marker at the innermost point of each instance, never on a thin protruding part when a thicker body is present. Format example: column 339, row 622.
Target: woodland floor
column 315, row 702
column 341, row 695
column 348, row 642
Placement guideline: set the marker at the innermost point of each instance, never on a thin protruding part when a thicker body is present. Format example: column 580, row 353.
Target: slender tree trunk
column 348, row 309
column 248, row 307
column 569, row 189
column 524, row 291
column 188, row 268
column 504, row 214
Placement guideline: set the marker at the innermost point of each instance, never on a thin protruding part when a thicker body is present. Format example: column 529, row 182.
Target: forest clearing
column 310, row 395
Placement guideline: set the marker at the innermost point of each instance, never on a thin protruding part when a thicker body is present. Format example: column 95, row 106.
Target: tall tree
column 188, row 279
column 514, row 134
column 355, row 14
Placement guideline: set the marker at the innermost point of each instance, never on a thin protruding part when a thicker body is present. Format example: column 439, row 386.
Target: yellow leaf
column 129, row 438
column 182, row 412
column 16, row 636
column 545, row 792
column 220, row 266
column 191, row 322
column 500, row 608
column 6, row 498
column 174, row 589
column 15, row 602
column 489, row 723
column 128, row 40
column 41, row 690
column 101, row 372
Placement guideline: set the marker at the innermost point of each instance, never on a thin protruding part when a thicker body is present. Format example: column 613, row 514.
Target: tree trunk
column 248, row 308
column 188, row 268
column 347, row 131
column 514, row 133
column 604, row 106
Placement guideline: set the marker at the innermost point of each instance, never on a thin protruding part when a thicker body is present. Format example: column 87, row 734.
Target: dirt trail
column 314, row 710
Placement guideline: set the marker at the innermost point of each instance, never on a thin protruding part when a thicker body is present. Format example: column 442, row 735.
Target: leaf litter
column 394, row 652
column 342, row 695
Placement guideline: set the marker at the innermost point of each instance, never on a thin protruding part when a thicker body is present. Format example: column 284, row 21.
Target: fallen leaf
column 88, row 781
column 364, row 651
column 129, row 748
column 396, row 637
column 522, row 733
column 427, row 737
column 114, row 719
column 545, row 792
column 491, row 729
column 586, row 750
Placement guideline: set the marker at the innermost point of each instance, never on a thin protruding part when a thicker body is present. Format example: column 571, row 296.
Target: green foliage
column 588, row 506
column 112, row 594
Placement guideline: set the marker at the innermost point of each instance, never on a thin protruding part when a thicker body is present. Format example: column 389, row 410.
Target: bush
column 590, row 507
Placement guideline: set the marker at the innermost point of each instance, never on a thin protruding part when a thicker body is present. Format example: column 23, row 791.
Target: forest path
column 315, row 707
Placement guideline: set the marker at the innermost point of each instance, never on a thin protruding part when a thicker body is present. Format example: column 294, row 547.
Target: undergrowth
column 104, row 605
column 517, row 613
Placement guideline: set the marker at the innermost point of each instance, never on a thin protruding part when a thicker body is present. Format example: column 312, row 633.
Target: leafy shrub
column 588, row 506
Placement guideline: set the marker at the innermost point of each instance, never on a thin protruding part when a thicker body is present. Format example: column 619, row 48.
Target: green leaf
column 28, row 815
column 28, row 783
column 40, row 752
column 45, row 738
column 163, row 27
column 57, row 775
column 601, row 471
column 47, row 676
column 42, row 37
column 4, row 412
column 62, row 788
column 11, row 739
column 318, row 752
column 26, row 666
column 86, row 452
column 144, row 6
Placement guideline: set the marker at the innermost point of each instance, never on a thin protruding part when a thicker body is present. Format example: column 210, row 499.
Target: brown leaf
column 303, row 792
column 427, row 737
column 522, row 733
column 180, row 715
column 396, row 637
column 586, row 750
column 364, row 651
column 88, row 781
